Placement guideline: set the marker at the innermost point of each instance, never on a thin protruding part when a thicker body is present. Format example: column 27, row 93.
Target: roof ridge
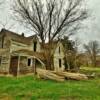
column 16, row 36
column 14, row 33
column 5, row 30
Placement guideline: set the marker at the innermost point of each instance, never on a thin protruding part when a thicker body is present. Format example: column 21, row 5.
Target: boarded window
column 35, row 46
column 60, row 63
column 29, row 62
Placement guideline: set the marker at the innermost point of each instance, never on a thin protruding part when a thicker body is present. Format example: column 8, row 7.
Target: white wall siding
column 59, row 55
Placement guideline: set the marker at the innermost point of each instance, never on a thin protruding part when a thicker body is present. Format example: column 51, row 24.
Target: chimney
column 23, row 35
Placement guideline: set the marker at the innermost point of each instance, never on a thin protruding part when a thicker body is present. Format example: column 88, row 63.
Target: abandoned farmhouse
column 20, row 54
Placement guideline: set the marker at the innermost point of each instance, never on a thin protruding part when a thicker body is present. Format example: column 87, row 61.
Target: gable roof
column 52, row 47
column 17, row 37
column 49, row 46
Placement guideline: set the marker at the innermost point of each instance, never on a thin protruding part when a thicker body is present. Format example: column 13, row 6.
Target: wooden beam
column 34, row 64
column 18, row 69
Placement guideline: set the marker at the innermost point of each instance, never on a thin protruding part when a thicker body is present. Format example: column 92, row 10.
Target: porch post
column 9, row 64
column 34, row 65
column 18, row 69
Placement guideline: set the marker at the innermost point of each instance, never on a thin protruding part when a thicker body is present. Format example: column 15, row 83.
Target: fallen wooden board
column 49, row 75
column 73, row 76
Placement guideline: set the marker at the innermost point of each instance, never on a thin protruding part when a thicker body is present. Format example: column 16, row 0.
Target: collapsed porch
column 21, row 62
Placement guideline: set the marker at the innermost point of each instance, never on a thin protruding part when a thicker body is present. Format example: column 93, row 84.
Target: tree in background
column 92, row 49
column 72, row 58
column 68, row 44
column 50, row 19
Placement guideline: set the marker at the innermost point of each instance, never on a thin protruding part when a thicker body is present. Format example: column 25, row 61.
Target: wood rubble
column 60, row 76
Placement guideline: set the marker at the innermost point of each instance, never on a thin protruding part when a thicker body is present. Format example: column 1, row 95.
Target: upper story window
column 60, row 63
column 35, row 46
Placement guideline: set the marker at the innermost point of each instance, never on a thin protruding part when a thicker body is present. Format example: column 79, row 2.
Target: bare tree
column 50, row 19
column 7, row 24
column 92, row 49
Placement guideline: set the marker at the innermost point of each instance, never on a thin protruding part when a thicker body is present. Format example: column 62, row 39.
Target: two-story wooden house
column 20, row 54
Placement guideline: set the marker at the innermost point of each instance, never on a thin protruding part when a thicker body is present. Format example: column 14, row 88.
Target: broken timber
column 60, row 76
column 45, row 74
column 73, row 76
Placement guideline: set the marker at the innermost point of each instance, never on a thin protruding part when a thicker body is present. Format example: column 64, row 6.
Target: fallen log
column 45, row 74
column 60, row 76
column 73, row 76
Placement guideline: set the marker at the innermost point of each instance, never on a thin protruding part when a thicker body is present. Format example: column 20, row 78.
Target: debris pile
column 59, row 76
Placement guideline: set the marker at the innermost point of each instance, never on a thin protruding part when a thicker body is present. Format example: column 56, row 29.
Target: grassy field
column 91, row 70
column 31, row 88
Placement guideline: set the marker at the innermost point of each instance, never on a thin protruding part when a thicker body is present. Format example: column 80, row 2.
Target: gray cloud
column 90, row 32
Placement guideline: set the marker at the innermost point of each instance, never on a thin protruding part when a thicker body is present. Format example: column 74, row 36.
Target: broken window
column 60, row 63
column 29, row 62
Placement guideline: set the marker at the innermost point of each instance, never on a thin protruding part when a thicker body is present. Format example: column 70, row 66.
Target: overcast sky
column 91, row 30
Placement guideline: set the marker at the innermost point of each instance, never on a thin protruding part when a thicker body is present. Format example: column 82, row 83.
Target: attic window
column 35, row 46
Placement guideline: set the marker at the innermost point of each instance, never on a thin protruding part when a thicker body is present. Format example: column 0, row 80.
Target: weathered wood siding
column 0, row 41
column 59, row 55
column 4, row 42
column 5, row 61
column 23, row 65
column 17, row 46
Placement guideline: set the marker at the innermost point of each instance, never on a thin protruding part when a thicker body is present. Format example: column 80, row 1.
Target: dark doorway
column 60, row 63
column 13, row 65
column 29, row 62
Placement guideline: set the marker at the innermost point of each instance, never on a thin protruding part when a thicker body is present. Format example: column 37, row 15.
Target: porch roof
column 29, row 53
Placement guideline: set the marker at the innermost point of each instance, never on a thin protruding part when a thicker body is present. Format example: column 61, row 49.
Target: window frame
column 29, row 62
